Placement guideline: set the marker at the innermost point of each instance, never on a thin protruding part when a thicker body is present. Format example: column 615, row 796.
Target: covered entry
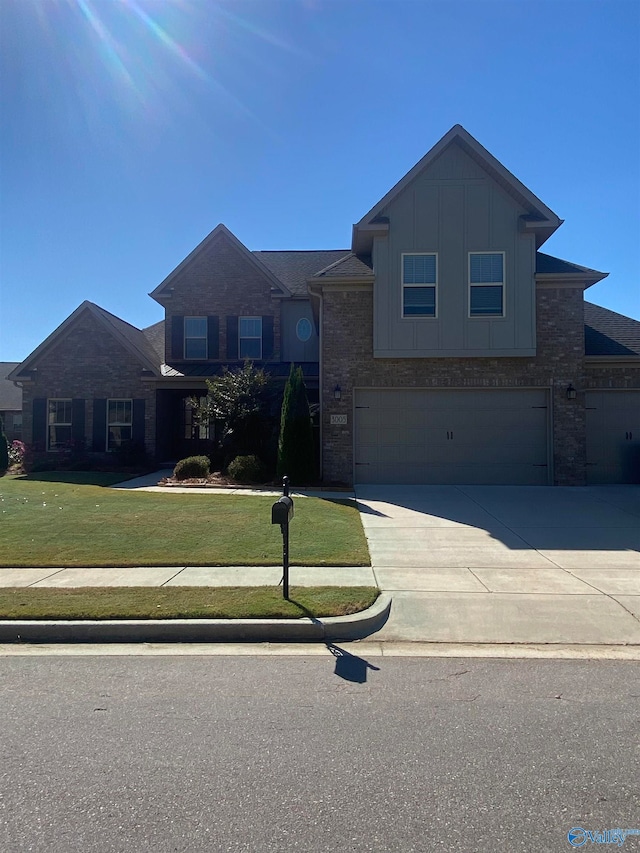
column 613, row 436
column 452, row 436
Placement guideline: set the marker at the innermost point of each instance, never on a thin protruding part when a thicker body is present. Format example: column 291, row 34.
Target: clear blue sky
column 131, row 128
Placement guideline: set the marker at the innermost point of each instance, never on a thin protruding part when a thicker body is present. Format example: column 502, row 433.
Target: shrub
column 17, row 452
column 193, row 467
column 4, row 449
column 296, row 451
column 247, row 469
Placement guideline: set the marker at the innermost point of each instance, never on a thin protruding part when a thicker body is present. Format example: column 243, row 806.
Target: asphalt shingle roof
column 349, row 265
column 549, row 264
column 608, row 333
column 295, row 267
column 10, row 394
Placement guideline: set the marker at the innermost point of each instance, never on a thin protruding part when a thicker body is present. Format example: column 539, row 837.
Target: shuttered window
column 486, row 284
column 419, row 284
column 119, row 423
column 59, row 422
column 195, row 337
column 250, row 337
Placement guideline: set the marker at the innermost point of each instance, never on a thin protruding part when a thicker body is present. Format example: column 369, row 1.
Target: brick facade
column 89, row 364
column 222, row 281
column 347, row 354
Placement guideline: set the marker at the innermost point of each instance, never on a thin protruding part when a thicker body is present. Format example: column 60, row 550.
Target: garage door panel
column 452, row 437
column 613, row 436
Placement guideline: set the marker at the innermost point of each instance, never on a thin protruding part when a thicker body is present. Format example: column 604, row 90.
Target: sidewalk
column 473, row 564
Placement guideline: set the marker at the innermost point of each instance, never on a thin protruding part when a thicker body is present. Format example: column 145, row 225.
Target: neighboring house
column 443, row 347
column 10, row 402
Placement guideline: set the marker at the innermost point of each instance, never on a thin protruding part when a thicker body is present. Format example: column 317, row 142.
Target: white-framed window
column 59, row 420
column 195, row 337
column 486, row 284
column 119, row 423
column 250, row 337
column 419, row 284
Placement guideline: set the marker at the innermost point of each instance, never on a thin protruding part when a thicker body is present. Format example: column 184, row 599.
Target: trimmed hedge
column 193, row 467
column 247, row 469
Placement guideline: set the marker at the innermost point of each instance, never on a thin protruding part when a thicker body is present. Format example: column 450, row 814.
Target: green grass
column 261, row 602
column 48, row 523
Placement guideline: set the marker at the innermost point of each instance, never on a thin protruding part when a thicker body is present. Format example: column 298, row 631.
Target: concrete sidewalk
column 463, row 564
column 188, row 576
column 492, row 564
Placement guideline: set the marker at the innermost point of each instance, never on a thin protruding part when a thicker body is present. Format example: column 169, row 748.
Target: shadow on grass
column 304, row 610
column 77, row 478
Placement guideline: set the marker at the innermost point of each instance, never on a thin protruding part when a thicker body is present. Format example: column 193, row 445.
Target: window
column 250, row 337
column 59, row 425
column 195, row 337
column 304, row 329
column 119, row 423
column 419, row 282
column 486, row 284
column 17, row 424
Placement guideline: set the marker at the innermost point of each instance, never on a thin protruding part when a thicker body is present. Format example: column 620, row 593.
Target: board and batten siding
column 294, row 349
column 454, row 208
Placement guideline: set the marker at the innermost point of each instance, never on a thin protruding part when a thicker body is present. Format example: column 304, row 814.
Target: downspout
column 318, row 296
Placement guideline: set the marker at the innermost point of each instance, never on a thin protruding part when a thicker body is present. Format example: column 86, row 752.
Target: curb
column 306, row 630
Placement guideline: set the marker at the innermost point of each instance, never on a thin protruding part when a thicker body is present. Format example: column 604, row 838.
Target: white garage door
column 613, row 436
column 452, row 437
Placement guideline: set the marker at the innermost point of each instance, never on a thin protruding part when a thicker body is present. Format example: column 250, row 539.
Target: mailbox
column 282, row 511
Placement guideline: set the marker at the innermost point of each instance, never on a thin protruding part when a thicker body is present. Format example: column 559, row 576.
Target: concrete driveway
column 506, row 564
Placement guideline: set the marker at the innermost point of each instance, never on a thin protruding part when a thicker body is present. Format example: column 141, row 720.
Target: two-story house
column 444, row 347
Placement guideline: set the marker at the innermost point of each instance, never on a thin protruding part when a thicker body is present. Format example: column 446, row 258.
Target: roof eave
column 570, row 279
column 362, row 236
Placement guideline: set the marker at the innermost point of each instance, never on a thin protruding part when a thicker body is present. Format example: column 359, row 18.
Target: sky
column 130, row 128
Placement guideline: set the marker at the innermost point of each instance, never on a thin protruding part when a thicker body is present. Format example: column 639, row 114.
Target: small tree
column 4, row 449
column 236, row 401
column 296, row 453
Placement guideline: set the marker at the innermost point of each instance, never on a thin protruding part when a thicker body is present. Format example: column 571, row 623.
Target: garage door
column 613, row 436
column 451, row 437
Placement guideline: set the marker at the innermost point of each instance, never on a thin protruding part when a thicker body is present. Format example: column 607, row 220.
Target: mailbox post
column 282, row 513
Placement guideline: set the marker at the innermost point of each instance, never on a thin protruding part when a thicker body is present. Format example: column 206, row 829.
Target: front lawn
column 183, row 602
column 44, row 523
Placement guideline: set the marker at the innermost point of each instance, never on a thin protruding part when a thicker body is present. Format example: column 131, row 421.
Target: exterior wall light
column 337, row 393
column 571, row 392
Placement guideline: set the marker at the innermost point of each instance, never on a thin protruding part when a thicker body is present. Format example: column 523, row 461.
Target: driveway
column 506, row 564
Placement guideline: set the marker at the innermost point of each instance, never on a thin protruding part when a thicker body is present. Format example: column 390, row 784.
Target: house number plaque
column 339, row 420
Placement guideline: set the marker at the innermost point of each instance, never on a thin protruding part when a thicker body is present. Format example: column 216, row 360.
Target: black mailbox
column 282, row 511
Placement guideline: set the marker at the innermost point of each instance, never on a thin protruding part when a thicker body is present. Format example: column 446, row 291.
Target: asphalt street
column 315, row 753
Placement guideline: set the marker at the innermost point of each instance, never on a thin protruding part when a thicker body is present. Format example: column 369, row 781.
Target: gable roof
column 293, row 268
column 608, row 333
column 541, row 219
column 219, row 231
column 132, row 339
column 155, row 336
column 10, row 394
column 349, row 266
